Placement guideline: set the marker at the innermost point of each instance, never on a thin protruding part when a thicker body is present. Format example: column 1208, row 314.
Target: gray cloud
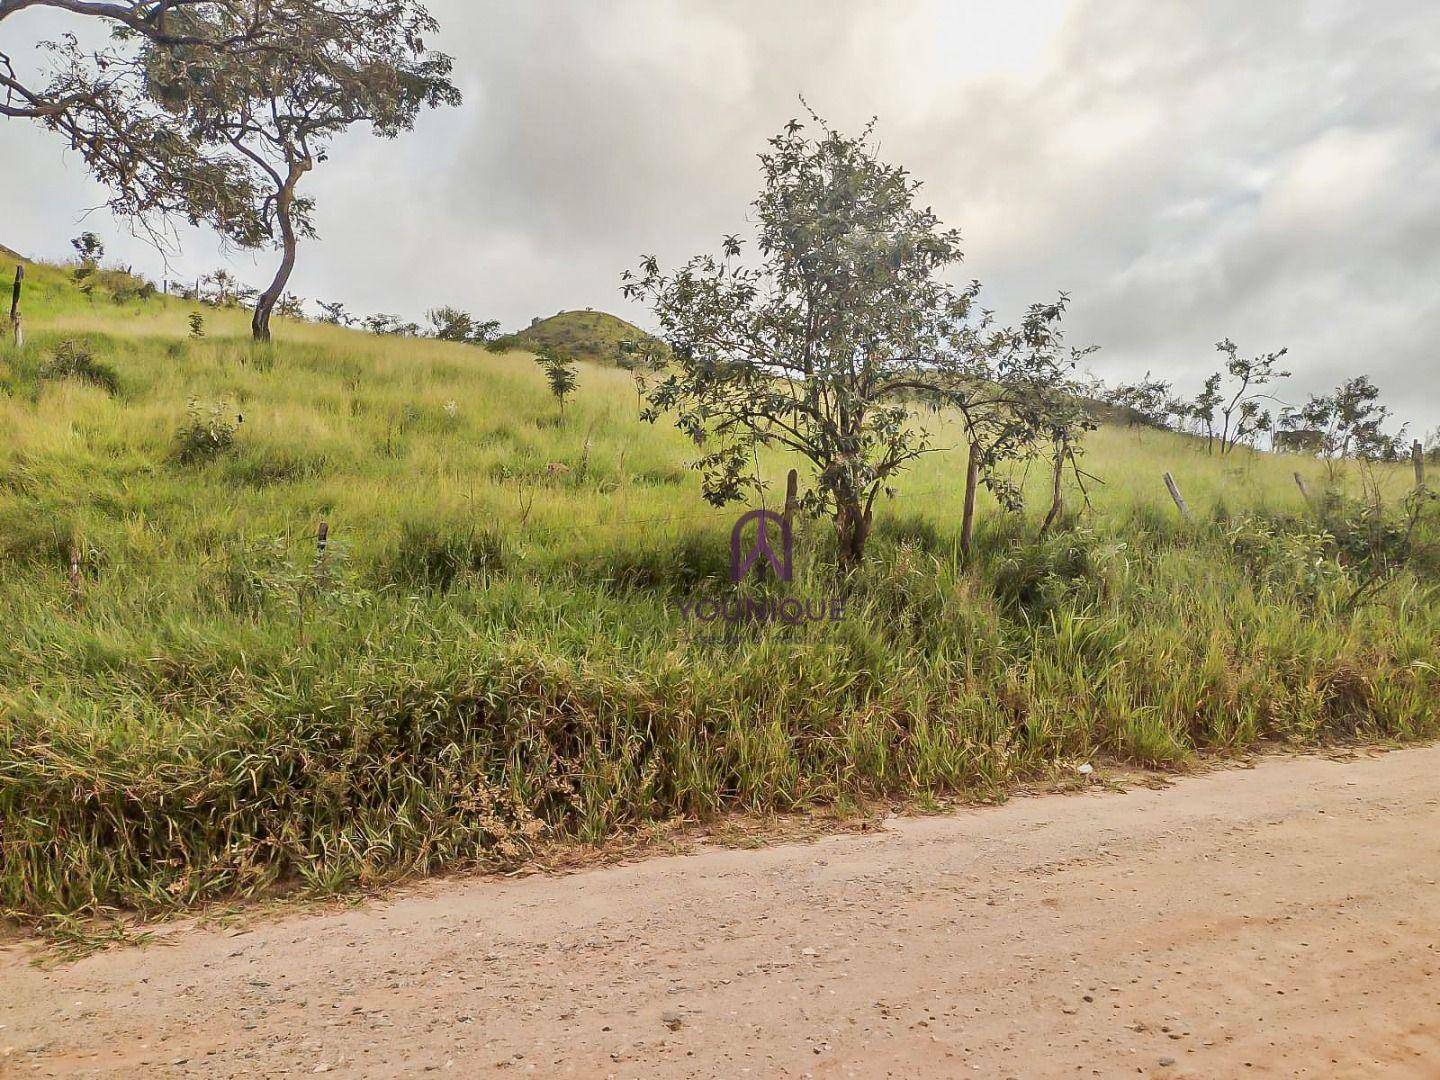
column 1266, row 171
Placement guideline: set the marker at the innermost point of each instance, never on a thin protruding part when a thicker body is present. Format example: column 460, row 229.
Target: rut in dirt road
column 1275, row 921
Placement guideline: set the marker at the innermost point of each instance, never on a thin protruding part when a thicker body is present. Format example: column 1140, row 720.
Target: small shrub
column 205, row 435
column 73, row 360
column 197, row 325
column 1038, row 577
column 269, row 574
column 1290, row 557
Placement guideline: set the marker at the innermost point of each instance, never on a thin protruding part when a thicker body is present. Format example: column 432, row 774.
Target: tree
column 559, row 373
column 824, row 345
column 335, row 314
column 1149, row 401
column 290, row 306
column 97, row 101
column 224, row 289
column 278, row 111
column 389, row 326
column 1236, row 414
column 452, row 324
column 89, row 249
column 1347, row 423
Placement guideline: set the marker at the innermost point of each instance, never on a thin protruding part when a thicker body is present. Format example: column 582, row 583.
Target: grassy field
column 491, row 652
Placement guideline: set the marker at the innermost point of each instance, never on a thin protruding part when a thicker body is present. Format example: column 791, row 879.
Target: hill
column 585, row 335
column 512, row 634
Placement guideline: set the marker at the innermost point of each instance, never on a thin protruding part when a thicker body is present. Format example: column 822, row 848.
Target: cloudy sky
column 1263, row 169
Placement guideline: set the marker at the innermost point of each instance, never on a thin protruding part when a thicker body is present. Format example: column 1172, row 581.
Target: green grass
column 490, row 654
column 586, row 335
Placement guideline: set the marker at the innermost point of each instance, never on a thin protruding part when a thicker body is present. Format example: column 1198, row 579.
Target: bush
column 205, row 435
column 73, row 360
column 1036, row 578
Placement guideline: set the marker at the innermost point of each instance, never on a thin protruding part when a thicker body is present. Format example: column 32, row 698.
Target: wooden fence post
column 1175, row 494
column 972, row 479
column 1417, row 454
column 792, row 496
column 1300, row 483
column 16, row 329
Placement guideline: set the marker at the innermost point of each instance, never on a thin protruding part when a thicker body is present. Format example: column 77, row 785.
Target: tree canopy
column 847, row 320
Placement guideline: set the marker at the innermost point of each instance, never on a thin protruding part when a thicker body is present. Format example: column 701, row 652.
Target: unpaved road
column 1276, row 921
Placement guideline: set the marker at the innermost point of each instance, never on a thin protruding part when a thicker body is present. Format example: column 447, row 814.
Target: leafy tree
column 279, row 110
column 559, row 373
column 224, row 289
column 99, row 103
column 1233, row 414
column 290, row 306
column 89, row 249
column 390, row 325
column 1348, row 423
column 452, row 324
column 824, row 345
column 380, row 323
column 335, row 314
column 1150, row 401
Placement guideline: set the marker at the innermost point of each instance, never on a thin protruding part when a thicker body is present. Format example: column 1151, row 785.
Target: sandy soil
column 1276, row 921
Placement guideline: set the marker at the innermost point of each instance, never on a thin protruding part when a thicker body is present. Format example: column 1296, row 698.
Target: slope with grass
column 586, row 335
column 496, row 648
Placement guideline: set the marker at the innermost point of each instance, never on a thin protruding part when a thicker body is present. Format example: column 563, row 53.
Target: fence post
column 16, row 329
column 1300, row 483
column 1417, row 454
column 322, row 538
column 792, row 496
column 1175, row 494
column 972, row 478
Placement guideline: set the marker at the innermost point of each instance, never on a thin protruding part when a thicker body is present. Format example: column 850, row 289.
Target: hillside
column 503, row 642
column 585, row 335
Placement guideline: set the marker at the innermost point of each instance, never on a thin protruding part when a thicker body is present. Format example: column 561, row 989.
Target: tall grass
column 492, row 651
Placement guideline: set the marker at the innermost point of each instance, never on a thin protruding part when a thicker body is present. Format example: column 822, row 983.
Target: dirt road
column 1276, row 921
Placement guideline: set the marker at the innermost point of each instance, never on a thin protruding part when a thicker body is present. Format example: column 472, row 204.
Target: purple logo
column 738, row 609
column 783, row 565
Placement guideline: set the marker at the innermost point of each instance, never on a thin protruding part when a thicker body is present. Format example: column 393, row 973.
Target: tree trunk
column 16, row 329
column 1057, row 500
column 972, row 481
column 265, row 306
column 853, row 526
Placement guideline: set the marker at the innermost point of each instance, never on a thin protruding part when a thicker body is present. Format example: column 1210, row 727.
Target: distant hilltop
column 586, row 335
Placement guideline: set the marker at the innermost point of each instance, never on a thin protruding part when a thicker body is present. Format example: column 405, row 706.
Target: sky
column 1264, row 170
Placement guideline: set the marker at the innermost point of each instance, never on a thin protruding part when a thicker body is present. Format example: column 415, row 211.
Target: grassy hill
column 498, row 646
column 585, row 335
